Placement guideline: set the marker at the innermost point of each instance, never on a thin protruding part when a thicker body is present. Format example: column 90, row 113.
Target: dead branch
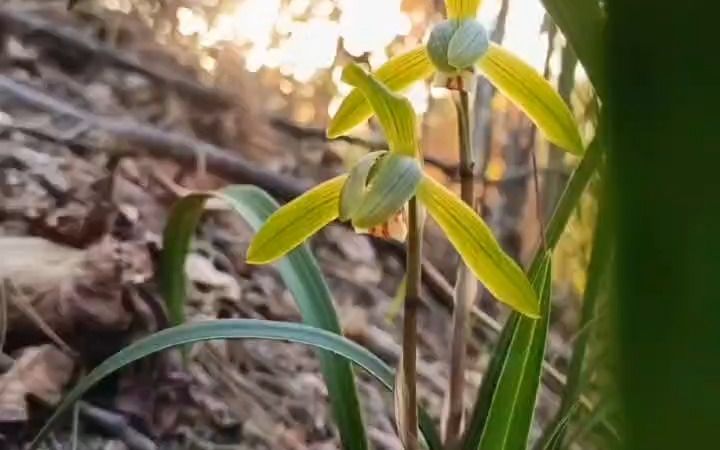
column 134, row 138
column 28, row 24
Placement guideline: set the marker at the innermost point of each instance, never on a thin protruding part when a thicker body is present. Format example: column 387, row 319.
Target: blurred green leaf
column 534, row 95
column 392, row 185
column 296, row 221
column 301, row 275
column 596, row 284
column 395, row 113
column 582, row 22
column 475, row 243
column 513, row 405
column 462, row 9
column 398, row 74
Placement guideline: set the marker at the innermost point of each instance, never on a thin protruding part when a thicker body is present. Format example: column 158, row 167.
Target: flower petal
column 355, row 187
column 534, row 95
column 393, row 184
column 478, row 248
column 462, row 9
column 397, row 74
column 296, row 221
column 394, row 112
column 469, row 42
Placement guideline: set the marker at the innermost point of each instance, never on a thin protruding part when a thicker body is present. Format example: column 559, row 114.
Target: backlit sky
column 309, row 37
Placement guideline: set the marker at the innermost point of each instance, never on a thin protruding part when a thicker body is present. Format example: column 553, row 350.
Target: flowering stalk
column 412, row 301
column 466, row 283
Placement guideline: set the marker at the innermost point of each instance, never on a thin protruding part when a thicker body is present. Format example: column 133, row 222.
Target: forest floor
column 95, row 146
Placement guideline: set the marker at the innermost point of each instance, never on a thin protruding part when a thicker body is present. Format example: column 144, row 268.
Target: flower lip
column 393, row 182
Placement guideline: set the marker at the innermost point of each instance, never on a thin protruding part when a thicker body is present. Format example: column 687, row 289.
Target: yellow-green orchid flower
column 455, row 48
column 378, row 188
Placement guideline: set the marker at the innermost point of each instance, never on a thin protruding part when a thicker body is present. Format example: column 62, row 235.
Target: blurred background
column 111, row 109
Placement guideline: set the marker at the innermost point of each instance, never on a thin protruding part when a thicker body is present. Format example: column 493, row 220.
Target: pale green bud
column 455, row 45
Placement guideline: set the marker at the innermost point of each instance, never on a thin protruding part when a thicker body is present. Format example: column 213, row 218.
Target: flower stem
column 465, row 284
column 412, row 300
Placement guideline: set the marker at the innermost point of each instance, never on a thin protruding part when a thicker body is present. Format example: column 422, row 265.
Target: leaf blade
column 513, row 404
column 397, row 74
column 478, row 248
column 533, row 95
column 293, row 223
column 232, row 329
column 301, row 275
column 222, row 329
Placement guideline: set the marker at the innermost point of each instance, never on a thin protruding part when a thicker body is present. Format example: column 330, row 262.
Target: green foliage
column 512, row 406
column 225, row 329
column 583, row 24
column 301, row 275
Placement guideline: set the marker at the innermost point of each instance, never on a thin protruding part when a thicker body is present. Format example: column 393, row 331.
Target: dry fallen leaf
column 41, row 372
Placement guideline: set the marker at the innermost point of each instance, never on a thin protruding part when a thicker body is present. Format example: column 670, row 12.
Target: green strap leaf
column 462, row 9
column 230, row 329
column 475, row 243
column 296, row 221
column 513, row 405
column 391, row 187
column 225, row 329
column 301, row 275
column 565, row 206
column 397, row 74
column 394, row 112
column 533, row 95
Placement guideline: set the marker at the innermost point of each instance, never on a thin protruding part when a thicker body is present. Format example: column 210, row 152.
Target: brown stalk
column 465, row 286
column 412, row 301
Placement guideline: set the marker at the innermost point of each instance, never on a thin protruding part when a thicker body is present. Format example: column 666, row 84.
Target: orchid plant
column 388, row 194
column 386, row 189
column 377, row 190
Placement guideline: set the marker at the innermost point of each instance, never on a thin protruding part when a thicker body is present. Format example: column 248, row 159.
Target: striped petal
column 397, row 75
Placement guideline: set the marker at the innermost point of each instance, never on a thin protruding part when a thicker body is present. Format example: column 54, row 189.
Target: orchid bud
column 456, row 45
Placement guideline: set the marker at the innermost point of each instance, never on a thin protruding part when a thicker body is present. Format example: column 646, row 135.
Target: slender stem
column 412, row 300
column 465, row 285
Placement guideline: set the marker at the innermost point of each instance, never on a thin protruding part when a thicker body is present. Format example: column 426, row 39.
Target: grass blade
column 223, row 329
column 513, row 403
column 554, row 435
column 233, row 329
column 302, row 276
column 574, row 189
